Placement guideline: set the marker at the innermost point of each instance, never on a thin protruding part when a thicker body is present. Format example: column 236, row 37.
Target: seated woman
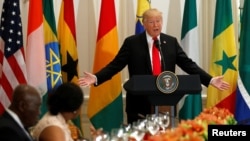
column 63, row 105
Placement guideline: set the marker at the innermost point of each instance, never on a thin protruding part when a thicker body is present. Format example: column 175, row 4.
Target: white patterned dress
column 52, row 120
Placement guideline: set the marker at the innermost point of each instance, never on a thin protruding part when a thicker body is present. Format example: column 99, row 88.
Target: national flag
column 142, row 6
column 53, row 62
column 242, row 112
column 105, row 107
column 68, row 46
column 35, row 52
column 67, row 41
column 191, row 104
column 12, row 60
column 224, row 60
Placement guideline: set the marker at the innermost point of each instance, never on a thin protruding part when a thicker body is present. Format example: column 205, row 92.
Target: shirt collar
column 150, row 38
column 15, row 117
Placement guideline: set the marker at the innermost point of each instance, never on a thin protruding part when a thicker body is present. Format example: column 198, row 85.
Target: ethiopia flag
column 53, row 64
column 105, row 108
column 224, row 57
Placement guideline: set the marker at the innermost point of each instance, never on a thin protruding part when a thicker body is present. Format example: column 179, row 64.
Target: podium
column 146, row 85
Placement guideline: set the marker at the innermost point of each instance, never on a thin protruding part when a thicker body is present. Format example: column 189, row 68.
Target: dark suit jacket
column 134, row 53
column 10, row 130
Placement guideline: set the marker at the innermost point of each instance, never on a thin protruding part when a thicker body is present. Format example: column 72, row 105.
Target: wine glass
column 127, row 128
column 117, row 134
column 139, row 124
column 138, row 130
column 152, row 126
column 164, row 121
column 102, row 137
column 151, row 117
column 137, row 134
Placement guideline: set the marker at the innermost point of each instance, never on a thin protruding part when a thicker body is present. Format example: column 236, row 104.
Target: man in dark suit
column 137, row 55
column 21, row 115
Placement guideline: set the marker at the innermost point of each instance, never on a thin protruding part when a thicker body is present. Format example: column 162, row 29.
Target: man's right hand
column 87, row 80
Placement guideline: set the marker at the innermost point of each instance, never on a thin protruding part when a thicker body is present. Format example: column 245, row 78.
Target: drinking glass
column 152, row 126
column 164, row 121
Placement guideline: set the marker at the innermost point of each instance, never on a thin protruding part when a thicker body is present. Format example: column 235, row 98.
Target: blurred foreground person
column 22, row 114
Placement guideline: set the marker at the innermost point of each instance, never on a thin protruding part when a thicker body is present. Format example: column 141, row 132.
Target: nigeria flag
column 191, row 104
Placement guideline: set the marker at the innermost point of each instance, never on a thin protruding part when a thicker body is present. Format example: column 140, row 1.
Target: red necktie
column 156, row 58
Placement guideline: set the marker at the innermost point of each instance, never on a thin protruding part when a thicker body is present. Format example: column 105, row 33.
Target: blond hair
column 152, row 12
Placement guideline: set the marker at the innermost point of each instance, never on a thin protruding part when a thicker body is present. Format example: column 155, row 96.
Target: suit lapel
column 8, row 116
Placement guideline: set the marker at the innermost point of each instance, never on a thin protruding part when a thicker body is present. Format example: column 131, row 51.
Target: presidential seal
column 167, row 82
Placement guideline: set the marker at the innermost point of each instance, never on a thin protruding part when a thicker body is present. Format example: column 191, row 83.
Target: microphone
column 158, row 46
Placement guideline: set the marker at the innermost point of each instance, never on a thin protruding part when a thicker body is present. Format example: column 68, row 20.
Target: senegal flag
column 224, row 60
column 142, row 6
column 105, row 107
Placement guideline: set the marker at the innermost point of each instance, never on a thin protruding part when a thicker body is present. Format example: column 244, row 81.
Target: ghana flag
column 68, row 47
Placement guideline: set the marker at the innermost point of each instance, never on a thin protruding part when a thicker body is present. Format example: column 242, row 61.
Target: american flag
column 12, row 64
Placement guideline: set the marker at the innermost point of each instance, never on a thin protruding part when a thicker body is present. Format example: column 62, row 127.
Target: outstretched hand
column 87, row 80
column 219, row 83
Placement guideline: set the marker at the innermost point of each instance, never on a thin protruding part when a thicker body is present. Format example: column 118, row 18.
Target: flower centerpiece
column 196, row 129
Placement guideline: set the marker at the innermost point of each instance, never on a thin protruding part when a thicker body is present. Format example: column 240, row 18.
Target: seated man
column 21, row 115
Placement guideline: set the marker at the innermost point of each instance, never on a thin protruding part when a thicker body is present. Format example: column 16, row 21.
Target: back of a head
column 26, row 102
column 21, row 93
column 68, row 97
